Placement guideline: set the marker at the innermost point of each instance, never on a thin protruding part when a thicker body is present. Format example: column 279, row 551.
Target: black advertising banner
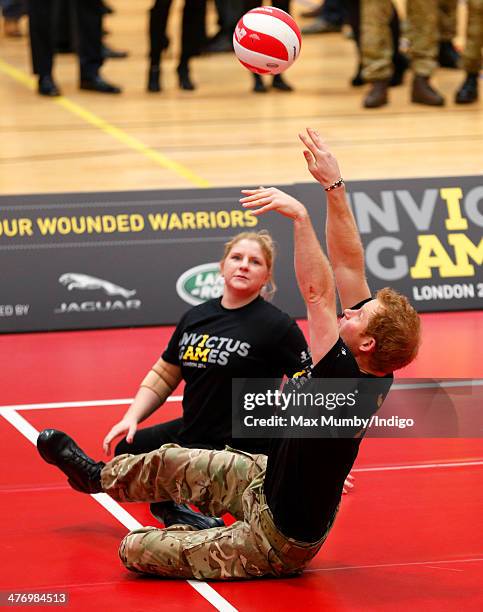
column 78, row 261
column 95, row 260
column 421, row 236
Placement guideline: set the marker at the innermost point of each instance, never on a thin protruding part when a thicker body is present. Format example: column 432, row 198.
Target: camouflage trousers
column 447, row 19
column 474, row 37
column 376, row 40
column 423, row 35
column 216, row 482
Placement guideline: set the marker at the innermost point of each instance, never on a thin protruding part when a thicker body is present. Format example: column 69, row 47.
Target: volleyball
column 267, row 40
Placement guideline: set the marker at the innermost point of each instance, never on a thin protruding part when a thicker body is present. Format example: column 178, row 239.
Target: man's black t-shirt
column 305, row 476
column 212, row 345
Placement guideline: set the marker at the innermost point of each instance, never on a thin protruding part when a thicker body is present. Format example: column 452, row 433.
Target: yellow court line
column 106, row 127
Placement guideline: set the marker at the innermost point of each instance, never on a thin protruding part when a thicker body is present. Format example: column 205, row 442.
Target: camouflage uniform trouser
column 376, row 41
column 217, row 482
column 447, row 19
column 474, row 37
column 423, row 34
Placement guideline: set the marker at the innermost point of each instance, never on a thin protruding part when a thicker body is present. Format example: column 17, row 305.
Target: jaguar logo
column 73, row 280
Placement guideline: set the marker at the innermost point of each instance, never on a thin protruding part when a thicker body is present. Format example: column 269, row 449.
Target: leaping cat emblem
column 72, row 280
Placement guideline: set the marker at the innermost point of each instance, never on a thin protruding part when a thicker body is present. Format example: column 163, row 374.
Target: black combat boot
column 401, row 64
column 83, row 473
column 448, row 56
column 170, row 513
column 47, row 86
column 358, row 80
column 468, row 92
column 377, row 95
column 278, row 82
column 423, row 93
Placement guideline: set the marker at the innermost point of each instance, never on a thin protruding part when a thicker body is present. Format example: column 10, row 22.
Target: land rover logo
column 200, row 284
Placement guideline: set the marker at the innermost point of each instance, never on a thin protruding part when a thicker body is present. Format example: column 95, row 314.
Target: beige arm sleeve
column 162, row 378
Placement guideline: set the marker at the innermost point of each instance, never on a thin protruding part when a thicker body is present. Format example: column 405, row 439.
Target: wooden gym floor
column 221, row 134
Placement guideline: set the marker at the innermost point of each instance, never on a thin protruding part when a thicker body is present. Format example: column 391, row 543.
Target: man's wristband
column 337, row 183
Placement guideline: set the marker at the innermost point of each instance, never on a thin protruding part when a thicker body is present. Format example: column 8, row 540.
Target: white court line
column 82, row 404
column 477, row 382
column 204, row 589
column 445, row 384
column 11, row 410
column 382, row 565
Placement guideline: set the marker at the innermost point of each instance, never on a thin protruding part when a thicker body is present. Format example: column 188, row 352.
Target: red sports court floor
column 408, row 537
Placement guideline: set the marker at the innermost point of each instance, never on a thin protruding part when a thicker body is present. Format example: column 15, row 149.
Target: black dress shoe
column 106, row 9
column 448, row 56
column 401, row 64
column 47, row 86
column 154, row 79
column 468, row 92
column 108, row 53
column 280, row 84
column 258, row 84
column 98, row 84
column 83, row 473
column 170, row 513
column 184, row 79
column 358, row 80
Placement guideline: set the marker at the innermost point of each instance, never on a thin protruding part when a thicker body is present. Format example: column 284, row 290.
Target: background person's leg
column 423, row 35
column 158, row 21
column 448, row 56
column 376, row 50
column 423, row 50
column 474, row 37
column 41, row 19
column 468, row 92
column 192, row 39
column 376, row 41
column 89, row 19
column 158, row 41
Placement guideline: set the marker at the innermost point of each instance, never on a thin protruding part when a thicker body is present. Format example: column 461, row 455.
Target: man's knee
column 131, row 549
column 155, row 551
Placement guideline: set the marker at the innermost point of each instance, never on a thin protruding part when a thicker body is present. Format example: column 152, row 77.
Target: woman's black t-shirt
column 213, row 345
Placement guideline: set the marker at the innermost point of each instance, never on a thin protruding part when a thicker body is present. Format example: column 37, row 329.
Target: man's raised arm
column 312, row 268
column 344, row 246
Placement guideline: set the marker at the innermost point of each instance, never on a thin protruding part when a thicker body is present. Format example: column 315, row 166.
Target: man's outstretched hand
column 321, row 163
column 265, row 199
